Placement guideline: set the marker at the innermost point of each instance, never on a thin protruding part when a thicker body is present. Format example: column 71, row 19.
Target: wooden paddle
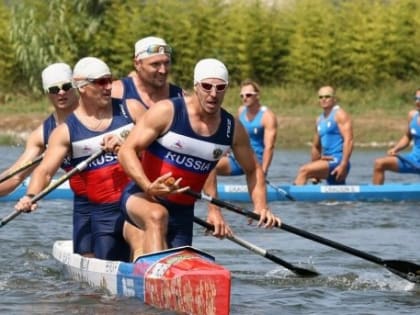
column 78, row 168
column 262, row 252
column 21, row 168
column 280, row 190
column 404, row 269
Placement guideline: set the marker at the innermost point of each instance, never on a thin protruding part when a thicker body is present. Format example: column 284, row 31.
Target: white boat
column 182, row 279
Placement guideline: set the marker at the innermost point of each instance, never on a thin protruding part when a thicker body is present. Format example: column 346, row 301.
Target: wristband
column 30, row 195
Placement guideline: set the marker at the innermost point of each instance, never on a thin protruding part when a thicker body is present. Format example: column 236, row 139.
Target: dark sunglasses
column 417, row 98
column 324, row 96
column 249, row 94
column 209, row 86
column 101, row 81
column 57, row 88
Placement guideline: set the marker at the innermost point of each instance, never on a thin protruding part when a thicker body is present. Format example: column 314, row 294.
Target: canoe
column 394, row 192
column 183, row 279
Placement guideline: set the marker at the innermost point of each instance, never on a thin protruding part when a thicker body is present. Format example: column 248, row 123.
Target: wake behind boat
column 392, row 192
column 182, row 279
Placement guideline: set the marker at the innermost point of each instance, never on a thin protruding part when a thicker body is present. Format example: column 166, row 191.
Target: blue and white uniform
column 255, row 131
column 414, row 156
column 130, row 91
column 188, row 155
column 102, row 182
column 331, row 142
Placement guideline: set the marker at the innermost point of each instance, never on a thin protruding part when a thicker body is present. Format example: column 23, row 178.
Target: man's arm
column 346, row 129
column 34, row 147
column 405, row 139
column 254, row 175
column 149, row 127
column 316, row 149
column 270, row 135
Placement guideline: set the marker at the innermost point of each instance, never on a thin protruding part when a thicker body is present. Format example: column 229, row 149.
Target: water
column 31, row 281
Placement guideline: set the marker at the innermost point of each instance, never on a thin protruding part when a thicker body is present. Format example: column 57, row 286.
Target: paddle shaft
column 289, row 228
column 260, row 251
column 22, row 168
column 78, row 168
column 281, row 190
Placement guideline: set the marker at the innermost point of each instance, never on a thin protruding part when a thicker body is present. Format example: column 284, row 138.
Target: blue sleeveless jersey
column 329, row 133
column 185, row 153
column 130, row 91
column 415, row 135
column 85, row 142
column 255, row 131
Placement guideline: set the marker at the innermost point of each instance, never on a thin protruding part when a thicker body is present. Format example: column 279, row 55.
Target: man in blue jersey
column 332, row 145
column 147, row 84
column 57, row 84
column 406, row 163
column 261, row 126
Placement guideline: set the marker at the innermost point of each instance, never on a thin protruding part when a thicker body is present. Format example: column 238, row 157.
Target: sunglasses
column 101, row 81
column 209, row 86
column 324, row 97
column 249, row 94
column 57, row 88
column 157, row 49
column 417, row 98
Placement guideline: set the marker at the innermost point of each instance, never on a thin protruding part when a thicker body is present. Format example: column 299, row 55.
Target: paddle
column 404, row 269
column 21, row 168
column 262, row 252
column 280, row 190
column 414, row 166
column 78, row 168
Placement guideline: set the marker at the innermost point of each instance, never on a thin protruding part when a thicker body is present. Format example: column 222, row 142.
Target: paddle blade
column 305, row 272
column 404, row 269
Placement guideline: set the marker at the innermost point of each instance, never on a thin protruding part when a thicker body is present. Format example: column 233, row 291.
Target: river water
column 32, row 282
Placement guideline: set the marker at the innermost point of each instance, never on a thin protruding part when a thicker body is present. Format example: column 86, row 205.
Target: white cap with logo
column 151, row 46
column 56, row 73
column 210, row 68
column 89, row 68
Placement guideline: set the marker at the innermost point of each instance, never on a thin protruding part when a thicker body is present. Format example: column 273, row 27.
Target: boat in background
column 182, row 279
column 393, row 192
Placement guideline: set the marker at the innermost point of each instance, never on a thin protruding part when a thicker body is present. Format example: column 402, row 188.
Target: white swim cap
column 210, row 68
column 151, row 46
column 54, row 74
column 89, row 68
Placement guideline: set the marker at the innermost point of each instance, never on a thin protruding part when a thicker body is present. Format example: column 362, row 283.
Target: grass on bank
column 379, row 115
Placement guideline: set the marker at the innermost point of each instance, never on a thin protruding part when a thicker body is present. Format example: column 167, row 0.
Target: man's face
column 154, row 70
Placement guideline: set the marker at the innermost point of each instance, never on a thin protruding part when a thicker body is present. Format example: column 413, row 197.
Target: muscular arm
column 34, row 147
column 346, row 129
column 57, row 150
column 405, row 139
column 316, row 150
column 150, row 125
column 270, row 136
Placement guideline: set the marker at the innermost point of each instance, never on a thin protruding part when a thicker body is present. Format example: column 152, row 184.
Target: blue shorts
column 235, row 168
column 331, row 166
column 180, row 223
column 409, row 165
column 98, row 229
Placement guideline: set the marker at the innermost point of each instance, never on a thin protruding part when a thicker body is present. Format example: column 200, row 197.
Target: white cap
column 89, row 68
column 141, row 47
column 56, row 73
column 210, row 68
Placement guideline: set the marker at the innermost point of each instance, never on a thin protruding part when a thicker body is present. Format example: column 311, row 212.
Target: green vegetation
column 366, row 48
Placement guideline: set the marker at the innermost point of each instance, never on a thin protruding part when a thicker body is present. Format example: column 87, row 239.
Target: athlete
column 148, row 83
column 182, row 139
column 261, row 125
column 57, row 83
column 98, row 123
column 404, row 163
column 332, row 145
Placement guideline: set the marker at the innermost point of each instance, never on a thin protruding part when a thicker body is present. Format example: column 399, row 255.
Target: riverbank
column 374, row 130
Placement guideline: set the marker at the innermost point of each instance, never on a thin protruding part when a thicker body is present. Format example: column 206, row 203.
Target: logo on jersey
column 217, row 153
column 124, row 133
column 228, row 128
column 188, row 162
